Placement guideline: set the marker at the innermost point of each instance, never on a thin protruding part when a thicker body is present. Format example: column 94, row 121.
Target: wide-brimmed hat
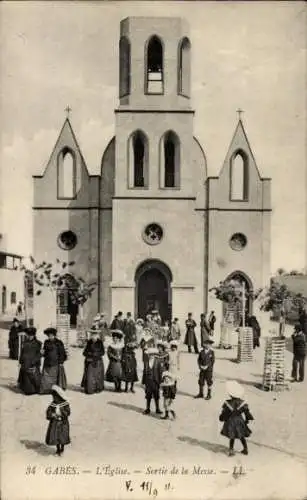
column 117, row 333
column 50, row 331
column 15, row 319
column 152, row 351
column 234, row 389
column 140, row 320
column 174, row 343
column 31, row 330
column 208, row 341
column 59, row 391
column 161, row 343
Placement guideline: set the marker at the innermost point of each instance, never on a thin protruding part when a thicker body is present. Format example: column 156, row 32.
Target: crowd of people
column 159, row 344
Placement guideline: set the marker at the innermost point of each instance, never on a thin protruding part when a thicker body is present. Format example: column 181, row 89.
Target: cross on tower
column 240, row 111
column 68, row 110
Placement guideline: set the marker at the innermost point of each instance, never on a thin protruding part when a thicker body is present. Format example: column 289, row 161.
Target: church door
column 153, row 293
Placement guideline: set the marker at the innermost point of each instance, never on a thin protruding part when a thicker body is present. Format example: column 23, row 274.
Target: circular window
column 67, row 240
column 238, row 241
column 153, row 234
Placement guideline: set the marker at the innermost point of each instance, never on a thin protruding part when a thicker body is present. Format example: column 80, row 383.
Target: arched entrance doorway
column 153, row 289
column 238, row 278
column 66, row 299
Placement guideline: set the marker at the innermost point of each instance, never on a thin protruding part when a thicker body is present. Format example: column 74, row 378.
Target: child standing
column 235, row 426
column 206, row 360
column 57, row 414
column 169, row 393
column 174, row 360
column 152, row 378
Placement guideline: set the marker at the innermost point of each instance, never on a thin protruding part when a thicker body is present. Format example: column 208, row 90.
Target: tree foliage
column 58, row 276
column 230, row 292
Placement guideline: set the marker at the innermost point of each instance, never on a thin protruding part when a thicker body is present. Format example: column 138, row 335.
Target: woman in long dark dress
column 233, row 410
column 114, row 352
column 55, row 356
column 57, row 414
column 93, row 377
column 13, row 342
column 30, row 356
column 129, row 366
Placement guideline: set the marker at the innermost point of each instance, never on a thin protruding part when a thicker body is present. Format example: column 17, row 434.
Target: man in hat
column 129, row 329
column 114, row 352
column 30, row 356
column 190, row 337
column 206, row 359
column 299, row 354
column 54, row 358
column 152, row 379
column 118, row 322
column 13, row 342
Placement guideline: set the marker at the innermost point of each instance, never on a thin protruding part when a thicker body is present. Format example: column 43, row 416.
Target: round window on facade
column 67, row 240
column 238, row 241
column 153, row 234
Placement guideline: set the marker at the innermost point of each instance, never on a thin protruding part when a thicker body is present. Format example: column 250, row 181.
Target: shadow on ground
column 40, row 448
column 11, row 387
column 214, row 447
column 136, row 409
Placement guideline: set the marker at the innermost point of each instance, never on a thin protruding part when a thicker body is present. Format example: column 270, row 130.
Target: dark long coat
column 129, row 331
column 204, row 331
column 58, row 428
column 53, row 372
column 114, row 371
column 29, row 374
column 129, row 365
column 93, row 377
column 235, row 426
column 152, row 378
column 190, row 337
column 13, row 342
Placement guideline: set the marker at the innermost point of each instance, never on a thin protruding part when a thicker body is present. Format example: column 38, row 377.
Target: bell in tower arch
column 154, row 69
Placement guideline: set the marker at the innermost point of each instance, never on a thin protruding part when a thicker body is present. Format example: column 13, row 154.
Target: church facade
column 152, row 230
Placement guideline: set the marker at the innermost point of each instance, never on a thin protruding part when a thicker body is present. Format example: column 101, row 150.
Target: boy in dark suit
column 152, row 379
column 206, row 359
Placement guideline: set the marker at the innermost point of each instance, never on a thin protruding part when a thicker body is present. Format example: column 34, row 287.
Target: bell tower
column 154, row 120
column 154, row 63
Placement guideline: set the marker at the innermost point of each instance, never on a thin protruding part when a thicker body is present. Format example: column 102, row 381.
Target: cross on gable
column 68, row 110
column 240, row 111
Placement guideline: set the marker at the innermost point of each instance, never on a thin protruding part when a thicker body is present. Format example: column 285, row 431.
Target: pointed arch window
column 184, row 67
column 239, row 177
column 170, row 161
column 124, row 67
column 154, row 66
column 138, row 159
column 66, row 174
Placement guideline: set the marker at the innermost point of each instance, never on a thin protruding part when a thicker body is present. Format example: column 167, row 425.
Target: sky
column 248, row 55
